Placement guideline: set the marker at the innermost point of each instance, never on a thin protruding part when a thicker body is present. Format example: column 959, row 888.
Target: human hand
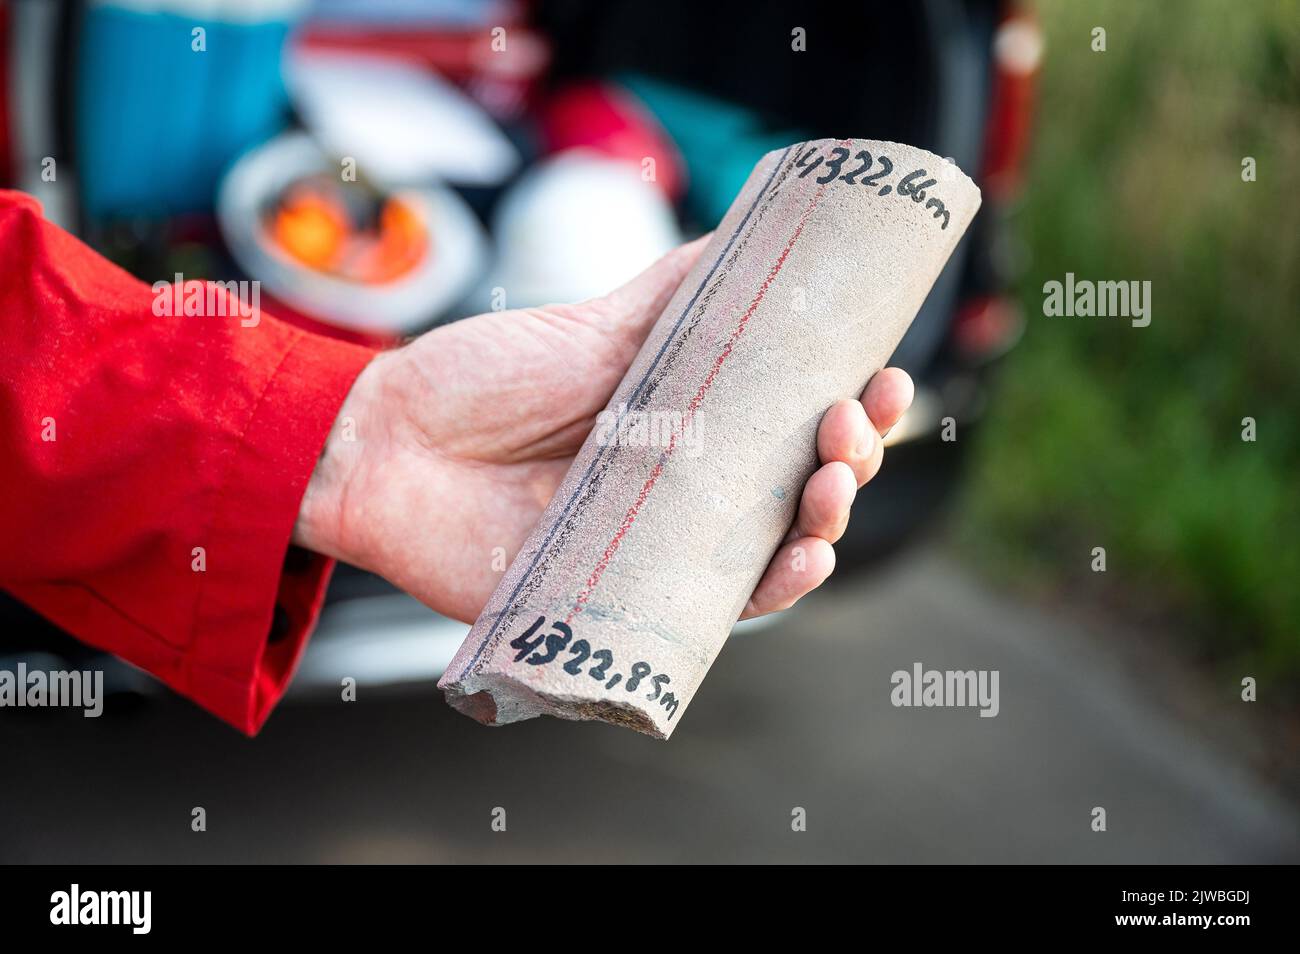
column 463, row 435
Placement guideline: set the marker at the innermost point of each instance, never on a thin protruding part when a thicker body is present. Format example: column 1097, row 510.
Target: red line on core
column 630, row 517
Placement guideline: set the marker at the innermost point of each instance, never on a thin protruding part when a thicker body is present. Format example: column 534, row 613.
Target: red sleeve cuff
column 134, row 435
column 234, row 649
column 260, row 598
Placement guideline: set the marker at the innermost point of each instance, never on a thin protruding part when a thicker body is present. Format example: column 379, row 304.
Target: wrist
column 321, row 525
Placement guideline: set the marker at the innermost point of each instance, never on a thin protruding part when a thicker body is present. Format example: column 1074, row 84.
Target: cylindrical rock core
column 623, row 595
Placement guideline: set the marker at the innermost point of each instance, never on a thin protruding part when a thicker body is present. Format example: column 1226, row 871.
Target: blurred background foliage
column 1103, row 434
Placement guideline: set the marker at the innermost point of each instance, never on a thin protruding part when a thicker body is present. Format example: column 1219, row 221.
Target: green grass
column 1101, row 434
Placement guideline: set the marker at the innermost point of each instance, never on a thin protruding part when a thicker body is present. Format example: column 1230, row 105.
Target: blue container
column 157, row 122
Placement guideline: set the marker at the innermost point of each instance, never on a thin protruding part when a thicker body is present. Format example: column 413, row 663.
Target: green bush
column 1103, row 434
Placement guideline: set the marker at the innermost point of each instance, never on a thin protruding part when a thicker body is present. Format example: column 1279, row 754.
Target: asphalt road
column 794, row 716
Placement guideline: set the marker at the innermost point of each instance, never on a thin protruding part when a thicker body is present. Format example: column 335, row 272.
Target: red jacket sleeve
column 153, row 468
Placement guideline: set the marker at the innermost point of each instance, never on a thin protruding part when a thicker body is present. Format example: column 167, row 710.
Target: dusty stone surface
column 625, row 592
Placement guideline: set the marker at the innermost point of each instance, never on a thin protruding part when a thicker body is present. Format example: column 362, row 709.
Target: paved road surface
column 795, row 715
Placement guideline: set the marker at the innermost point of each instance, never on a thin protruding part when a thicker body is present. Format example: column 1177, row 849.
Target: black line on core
column 630, row 403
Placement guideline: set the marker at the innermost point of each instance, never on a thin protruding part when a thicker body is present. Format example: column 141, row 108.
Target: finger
column 636, row 305
column 887, row 396
column 824, row 507
column 845, row 434
column 798, row 568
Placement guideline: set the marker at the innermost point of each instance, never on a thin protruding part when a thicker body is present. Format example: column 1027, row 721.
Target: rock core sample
column 627, row 589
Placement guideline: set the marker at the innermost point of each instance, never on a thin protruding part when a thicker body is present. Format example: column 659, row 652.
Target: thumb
column 633, row 308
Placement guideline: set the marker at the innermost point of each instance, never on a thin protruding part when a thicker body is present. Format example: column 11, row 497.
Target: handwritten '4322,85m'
column 539, row 649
